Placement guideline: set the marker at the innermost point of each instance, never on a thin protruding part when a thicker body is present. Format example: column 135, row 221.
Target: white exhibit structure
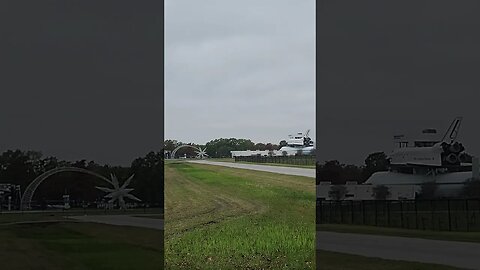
column 415, row 162
column 299, row 143
column 27, row 196
column 201, row 153
column 263, row 153
column 119, row 193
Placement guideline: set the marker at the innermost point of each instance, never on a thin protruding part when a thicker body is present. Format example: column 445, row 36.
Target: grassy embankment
column 80, row 246
column 224, row 218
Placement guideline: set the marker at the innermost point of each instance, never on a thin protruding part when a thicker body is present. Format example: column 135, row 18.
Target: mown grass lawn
column 224, row 218
column 80, row 246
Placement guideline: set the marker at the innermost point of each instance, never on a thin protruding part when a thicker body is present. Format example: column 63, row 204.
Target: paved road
column 264, row 168
column 122, row 220
column 458, row 254
column 37, row 222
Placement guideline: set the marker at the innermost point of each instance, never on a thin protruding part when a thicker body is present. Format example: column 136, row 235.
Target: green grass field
column 80, row 246
column 224, row 218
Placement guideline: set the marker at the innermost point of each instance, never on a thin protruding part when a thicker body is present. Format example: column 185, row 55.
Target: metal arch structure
column 32, row 187
column 183, row 146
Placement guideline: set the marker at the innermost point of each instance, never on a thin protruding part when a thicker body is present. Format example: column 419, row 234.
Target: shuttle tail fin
column 452, row 131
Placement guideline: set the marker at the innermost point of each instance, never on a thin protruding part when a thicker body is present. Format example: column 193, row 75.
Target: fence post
column 351, row 211
column 388, row 213
column 329, row 212
column 449, row 216
column 363, row 212
column 401, row 213
column 376, row 214
column 432, row 210
column 322, row 215
column 318, row 212
column 466, row 214
column 341, row 212
column 416, row 214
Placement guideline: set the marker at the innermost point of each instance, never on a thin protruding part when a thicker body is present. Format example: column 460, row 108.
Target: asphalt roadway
column 123, row 220
column 458, row 254
column 264, row 168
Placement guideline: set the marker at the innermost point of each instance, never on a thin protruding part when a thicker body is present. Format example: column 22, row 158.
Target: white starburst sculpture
column 201, row 153
column 118, row 193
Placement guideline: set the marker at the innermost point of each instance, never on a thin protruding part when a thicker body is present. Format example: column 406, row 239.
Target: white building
column 248, row 153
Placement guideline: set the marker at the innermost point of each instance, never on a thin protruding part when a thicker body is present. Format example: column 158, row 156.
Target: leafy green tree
column 170, row 145
column 222, row 147
column 148, row 180
column 270, row 147
column 331, row 171
column 375, row 162
column 19, row 167
column 260, row 146
column 352, row 173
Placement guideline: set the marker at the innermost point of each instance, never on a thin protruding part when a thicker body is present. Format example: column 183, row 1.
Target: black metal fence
column 441, row 215
column 293, row 160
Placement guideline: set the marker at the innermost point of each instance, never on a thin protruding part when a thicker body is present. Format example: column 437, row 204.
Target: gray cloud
column 83, row 79
column 394, row 67
column 239, row 69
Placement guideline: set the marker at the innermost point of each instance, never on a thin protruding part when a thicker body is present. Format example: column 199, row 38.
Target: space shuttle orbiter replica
column 299, row 143
column 429, row 150
column 429, row 158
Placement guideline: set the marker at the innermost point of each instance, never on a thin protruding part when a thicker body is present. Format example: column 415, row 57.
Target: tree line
column 21, row 167
column 220, row 148
column 339, row 173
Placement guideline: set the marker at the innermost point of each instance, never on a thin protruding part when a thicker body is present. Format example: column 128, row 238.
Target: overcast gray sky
column 82, row 79
column 239, row 68
column 392, row 67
